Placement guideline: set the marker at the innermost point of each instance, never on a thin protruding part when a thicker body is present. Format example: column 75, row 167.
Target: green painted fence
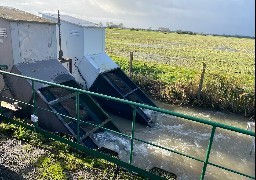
column 129, row 165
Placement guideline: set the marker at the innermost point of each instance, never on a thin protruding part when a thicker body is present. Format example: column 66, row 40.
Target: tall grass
column 179, row 85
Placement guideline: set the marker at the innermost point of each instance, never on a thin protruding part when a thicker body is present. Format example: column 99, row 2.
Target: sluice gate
column 120, row 86
column 59, row 100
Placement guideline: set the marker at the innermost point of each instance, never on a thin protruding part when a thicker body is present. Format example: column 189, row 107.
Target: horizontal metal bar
column 61, row 99
column 233, row 171
column 214, row 124
column 85, row 122
column 18, row 101
column 130, row 92
column 196, row 119
column 82, row 122
column 164, row 148
column 40, row 108
column 114, row 160
column 123, row 135
column 72, row 118
column 94, row 129
column 86, row 149
column 118, row 133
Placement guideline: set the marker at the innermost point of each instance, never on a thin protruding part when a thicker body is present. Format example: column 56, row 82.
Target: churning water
column 229, row 149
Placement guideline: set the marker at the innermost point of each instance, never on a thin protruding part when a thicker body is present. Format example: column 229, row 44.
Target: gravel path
column 17, row 160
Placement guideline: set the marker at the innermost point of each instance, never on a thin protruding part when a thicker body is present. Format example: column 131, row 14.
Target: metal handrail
column 132, row 138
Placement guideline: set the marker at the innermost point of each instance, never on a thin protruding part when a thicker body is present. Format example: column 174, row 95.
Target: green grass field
column 174, row 61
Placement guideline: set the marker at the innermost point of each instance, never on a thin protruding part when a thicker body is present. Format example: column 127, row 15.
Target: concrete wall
column 33, row 42
column 5, row 49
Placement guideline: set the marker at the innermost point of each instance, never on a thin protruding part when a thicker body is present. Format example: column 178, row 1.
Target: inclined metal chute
column 66, row 106
column 59, row 100
column 116, row 83
column 95, row 70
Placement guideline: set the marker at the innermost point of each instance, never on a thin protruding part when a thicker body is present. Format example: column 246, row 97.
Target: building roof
column 12, row 14
column 72, row 20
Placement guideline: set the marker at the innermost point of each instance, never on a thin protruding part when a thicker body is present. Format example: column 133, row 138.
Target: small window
column 3, row 32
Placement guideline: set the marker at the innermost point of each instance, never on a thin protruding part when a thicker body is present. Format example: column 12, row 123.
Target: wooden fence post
column 130, row 64
column 201, row 82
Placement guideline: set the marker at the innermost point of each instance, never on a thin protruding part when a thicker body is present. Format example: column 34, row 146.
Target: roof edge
column 16, row 15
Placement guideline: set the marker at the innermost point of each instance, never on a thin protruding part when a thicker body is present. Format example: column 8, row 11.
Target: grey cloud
column 209, row 16
column 138, row 7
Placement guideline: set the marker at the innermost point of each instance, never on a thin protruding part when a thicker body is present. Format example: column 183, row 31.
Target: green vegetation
column 169, row 66
column 61, row 160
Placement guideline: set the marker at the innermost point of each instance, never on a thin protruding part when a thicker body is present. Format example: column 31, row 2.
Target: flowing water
column 229, row 149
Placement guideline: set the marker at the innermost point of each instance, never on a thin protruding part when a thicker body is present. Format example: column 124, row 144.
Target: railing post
column 208, row 152
column 77, row 117
column 34, row 101
column 132, row 136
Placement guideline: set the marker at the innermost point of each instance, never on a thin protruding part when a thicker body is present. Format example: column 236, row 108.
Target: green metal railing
column 129, row 165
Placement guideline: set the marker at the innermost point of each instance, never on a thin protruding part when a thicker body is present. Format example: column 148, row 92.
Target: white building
column 25, row 38
column 28, row 45
column 84, row 43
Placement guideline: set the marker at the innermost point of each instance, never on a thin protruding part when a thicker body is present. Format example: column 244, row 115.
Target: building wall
column 33, row 42
column 94, row 41
column 71, row 40
column 5, row 49
column 72, row 44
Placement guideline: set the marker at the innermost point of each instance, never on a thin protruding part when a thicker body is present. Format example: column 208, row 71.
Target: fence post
column 130, row 64
column 201, row 82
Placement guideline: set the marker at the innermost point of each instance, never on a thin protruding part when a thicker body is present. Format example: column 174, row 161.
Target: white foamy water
column 229, row 149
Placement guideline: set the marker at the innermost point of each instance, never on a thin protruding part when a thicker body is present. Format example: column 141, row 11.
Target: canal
column 229, row 149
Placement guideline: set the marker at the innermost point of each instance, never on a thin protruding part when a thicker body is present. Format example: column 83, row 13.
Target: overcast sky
column 234, row 17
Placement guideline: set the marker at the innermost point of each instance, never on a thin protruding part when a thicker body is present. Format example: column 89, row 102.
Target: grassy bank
column 169, row 67
column 56, row 161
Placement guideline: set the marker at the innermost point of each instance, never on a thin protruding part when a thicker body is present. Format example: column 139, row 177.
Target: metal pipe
column 34, row 101
column 60, row 51
column 132, row 136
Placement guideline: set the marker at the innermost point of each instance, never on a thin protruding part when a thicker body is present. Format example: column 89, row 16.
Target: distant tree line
column 186, row 32
column 112, row 25
column 167, row 30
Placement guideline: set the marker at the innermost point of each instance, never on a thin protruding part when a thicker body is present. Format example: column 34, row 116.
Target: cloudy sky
column 234, row 17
